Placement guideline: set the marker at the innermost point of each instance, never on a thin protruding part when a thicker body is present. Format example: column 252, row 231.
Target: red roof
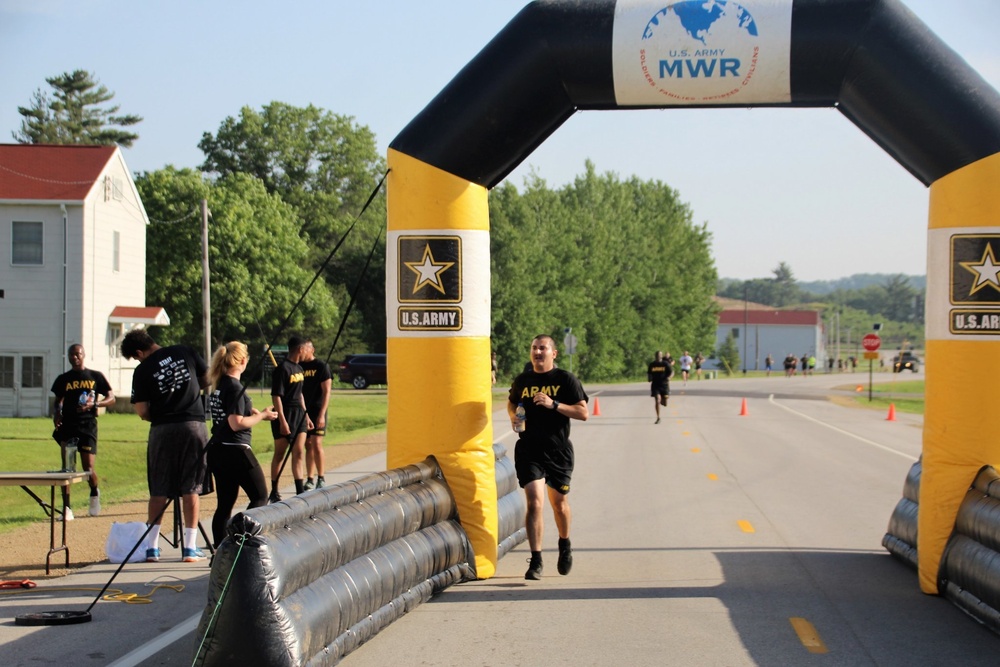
column 151, row 315
column 51, row 173
column 771, row 317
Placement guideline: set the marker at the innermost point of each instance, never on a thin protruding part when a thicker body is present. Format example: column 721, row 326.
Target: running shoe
column 274, row 497
column 320, row 482
column 534, row 568
column 565, row 563
column 308, row 485
column 193, row 555
column 68, row 514
column 152, row 555
column 657, row 421
column 95, row 504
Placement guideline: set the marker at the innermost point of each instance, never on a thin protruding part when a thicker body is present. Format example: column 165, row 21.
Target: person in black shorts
column 289, row 429
column 75, row 417
column 543, row 454
column 230, row 455
column 166, row 392
column 316, row 391
column 658, row 373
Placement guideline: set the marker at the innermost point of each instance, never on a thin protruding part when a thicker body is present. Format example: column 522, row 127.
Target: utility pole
column 206, row 297
column 746, row 297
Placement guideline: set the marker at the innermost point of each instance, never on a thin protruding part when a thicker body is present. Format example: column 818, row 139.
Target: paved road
column 708, row 539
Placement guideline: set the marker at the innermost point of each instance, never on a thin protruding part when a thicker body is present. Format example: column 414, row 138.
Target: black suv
column 362, row 370
column 905, row 361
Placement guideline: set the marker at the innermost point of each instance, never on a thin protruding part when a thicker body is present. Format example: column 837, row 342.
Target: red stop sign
column 871, row 342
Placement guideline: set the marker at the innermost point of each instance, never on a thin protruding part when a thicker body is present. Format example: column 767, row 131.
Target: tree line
column 618, row 261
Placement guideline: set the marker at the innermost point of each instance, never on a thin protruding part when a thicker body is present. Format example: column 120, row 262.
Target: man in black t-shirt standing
column 316, row 390
column 166, row 392
column 75, row 417
column 289, row 429
column 543, row 455
column 658, row 373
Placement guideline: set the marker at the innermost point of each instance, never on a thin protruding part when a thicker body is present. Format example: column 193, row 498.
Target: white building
column 72, row 268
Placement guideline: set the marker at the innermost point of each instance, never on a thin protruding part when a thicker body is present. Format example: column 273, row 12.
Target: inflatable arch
column 872, row 59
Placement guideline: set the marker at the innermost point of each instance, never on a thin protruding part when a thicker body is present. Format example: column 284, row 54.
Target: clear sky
column 801, row 186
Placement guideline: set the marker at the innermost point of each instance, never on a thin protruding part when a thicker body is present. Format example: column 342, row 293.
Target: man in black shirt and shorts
column 658, row 373
column 290, row 428
column 166, row 391
column 316, row 390
column 543, row 455
column 75, row 416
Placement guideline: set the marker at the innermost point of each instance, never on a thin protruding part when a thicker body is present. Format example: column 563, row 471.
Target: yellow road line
column 695, row 450
column 745, row 526
column 808, row 635
column 712, row 476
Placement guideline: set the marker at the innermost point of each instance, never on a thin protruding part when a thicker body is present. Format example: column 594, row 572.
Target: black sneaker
column 657, row 421
column 534, row 569
column 274, row 497
column 565, row 563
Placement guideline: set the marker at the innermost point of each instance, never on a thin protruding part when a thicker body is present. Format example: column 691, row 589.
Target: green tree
column 324, row 165
column 729, row 354
column 73, row 114
column 619, row 261
column 253, row 246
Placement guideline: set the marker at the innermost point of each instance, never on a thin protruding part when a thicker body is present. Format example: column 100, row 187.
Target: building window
column 116, row 248
column 6, row 372
column 736, row 333
column 26, row 243
column 116, row 332
column 31, row 372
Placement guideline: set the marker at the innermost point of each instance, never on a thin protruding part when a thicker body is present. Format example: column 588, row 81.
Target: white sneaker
column 68, row 516
column 95, row 504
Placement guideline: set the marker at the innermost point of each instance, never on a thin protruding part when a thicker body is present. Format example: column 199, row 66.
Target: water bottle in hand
column 519, row 419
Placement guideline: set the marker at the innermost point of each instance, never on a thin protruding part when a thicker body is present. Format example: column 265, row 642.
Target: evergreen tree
column 74, row 115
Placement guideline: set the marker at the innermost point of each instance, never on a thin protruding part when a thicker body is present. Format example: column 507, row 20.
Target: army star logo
column 428, row 271
column 986, row 271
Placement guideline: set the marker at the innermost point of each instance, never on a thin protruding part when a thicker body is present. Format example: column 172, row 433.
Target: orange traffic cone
column 597, row 407
column 743, row 409
column 892, row 413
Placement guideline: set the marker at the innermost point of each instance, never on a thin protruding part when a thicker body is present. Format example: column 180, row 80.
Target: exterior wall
column 109, row 209
column 776, row 340
column 32, row 321
column 31, row 312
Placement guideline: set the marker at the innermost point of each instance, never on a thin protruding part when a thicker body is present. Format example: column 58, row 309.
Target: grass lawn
column 906, row 395
column 27, row 445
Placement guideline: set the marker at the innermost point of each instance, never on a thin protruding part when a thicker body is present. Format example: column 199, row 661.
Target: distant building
column 759, row 332
column 73, row 269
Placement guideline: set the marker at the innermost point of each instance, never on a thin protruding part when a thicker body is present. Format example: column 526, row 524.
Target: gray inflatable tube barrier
column 307, row 580
column 970, row 565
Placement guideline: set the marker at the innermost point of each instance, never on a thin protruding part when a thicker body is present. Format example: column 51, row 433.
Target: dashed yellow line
column 686, row 433
column 695, row 450
column 712, row 476
column 808, row 635
column 745, row 526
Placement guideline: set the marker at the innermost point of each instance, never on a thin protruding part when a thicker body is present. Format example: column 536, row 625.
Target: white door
column 22, row 385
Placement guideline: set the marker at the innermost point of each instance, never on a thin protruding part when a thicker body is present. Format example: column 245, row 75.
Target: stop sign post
column 871, row 342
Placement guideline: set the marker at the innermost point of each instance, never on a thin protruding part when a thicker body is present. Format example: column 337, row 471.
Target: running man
column 658, row 373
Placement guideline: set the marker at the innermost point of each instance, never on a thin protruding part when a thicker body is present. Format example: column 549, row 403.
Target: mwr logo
column 975, row 272
column 430, row 319
column 430, row 269
column 699, row 51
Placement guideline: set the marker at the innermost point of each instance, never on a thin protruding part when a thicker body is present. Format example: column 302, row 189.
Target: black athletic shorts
column 296, row 418
column 555, row 466
column 659, row 389
column 85, row 433
column 317, row 431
